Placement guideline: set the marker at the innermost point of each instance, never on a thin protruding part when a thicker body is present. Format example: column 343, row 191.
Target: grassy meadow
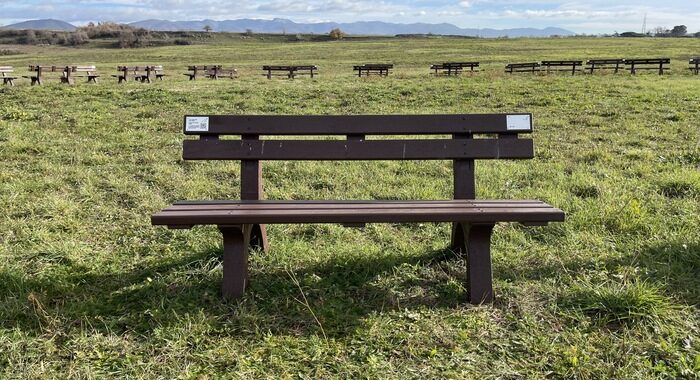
column 90, row 290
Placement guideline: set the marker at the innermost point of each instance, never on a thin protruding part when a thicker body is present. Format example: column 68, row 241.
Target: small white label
column 518, row 122
column 197, row 124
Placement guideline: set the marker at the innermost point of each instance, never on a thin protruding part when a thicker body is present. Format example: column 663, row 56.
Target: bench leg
column 474, row 240
column 235, row 261
column 258, row 237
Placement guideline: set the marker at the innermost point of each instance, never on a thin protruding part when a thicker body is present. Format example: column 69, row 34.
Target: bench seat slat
column 357, row 150
column 272, row 205
column 354, row 213
column 351, row 201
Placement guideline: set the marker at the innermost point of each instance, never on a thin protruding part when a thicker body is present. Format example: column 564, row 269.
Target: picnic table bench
column 242, row 222
column 647, row 64
column 210, row 71
column 7, row 75
column 572, row 66
column 381, row 69
column 601, row 64
column 527, row 67
column 39, row 72
column 290, row 71
column 89, row 72
column 453, row 68
column 694, row 65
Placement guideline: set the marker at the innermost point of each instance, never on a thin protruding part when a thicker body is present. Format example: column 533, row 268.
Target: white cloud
column 587, row 17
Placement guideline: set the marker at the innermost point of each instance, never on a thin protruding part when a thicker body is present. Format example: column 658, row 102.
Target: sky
column 582, row 16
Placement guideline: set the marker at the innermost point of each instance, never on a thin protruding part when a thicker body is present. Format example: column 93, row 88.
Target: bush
column 77, row 38
column 336, row 34
column 181, row 41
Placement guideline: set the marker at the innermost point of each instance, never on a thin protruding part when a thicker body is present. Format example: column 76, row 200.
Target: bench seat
column 185, row 214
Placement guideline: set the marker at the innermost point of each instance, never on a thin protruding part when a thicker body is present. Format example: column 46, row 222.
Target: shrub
column 336, row 34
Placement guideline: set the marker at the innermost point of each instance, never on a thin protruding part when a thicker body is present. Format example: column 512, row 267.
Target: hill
column 46, row 24
column 279, row 25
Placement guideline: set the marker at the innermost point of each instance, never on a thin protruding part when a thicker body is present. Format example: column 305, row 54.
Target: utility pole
column 644, row 24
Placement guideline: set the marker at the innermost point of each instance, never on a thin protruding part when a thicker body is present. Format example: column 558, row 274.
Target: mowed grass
column 89, row 289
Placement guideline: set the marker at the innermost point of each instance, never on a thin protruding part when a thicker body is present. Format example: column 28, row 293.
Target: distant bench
column 694, row 65
column 290, row 71
column 572, row 66
column 242, row 222
column 603, row 64
column 381, row 69
column 528, row 67
column 89, row 72
column 40, row 72
column 211, row 72
column 648, row 64
column 6, row 73
column 454, row 68
column 145, row 73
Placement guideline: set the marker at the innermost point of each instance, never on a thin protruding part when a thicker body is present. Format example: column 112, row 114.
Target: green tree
column 679, row 31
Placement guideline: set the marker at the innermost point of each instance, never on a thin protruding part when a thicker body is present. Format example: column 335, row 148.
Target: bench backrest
column 527, row 64
column 6, row 70
column 694, row 61
column 641, row 61
column 203, row 67
column 460, row 64
column 605, row 61
column 86, row 69
column 561, row 63
column 381, row 66
column 49, row 68
column 139, row 68
column 288, row 67
column 502, row 130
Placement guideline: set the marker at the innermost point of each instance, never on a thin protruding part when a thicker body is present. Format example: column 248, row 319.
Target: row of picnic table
column 147, row 73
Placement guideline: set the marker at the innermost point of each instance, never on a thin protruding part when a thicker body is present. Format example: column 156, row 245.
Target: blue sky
column 582, row 16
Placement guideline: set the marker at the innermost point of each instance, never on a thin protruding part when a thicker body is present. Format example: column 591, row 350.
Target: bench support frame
column 252, row 190
column 235, row 260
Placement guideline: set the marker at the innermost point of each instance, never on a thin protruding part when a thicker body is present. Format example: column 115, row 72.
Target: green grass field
column 89, row 289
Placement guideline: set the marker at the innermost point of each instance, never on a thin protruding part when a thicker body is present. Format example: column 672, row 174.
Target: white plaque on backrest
column 197, row 124
column 518, row 122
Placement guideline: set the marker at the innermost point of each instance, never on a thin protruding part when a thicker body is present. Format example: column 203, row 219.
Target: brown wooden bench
column 694, row 65
column 381, row 69
column 454, row 68
column 211, row 72
column 89, row 72
column 527, row 67
column 40, row 72
column 569, row 66
column 6, row 73
column 142, row 73
column 290, row 71
column 648, row 64
column 242, row 222
column 604, row 64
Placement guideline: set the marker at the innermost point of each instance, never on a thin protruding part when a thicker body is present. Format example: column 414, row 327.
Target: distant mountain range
column 280, row 25
column 47, row 24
